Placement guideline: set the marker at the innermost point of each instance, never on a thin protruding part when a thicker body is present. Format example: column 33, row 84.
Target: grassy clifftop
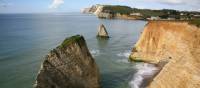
column 70, row 40
column 195, row 22
column 117, row 9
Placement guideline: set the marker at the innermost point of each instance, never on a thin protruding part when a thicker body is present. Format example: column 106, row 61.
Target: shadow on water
column 102, row 42
column 117, row 79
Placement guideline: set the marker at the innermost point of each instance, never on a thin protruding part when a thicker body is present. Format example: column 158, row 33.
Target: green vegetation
column 114, row 9
column 135, row 59
column 195, row 22
column 148, row 12
column 70, row 40
column 191, row 17
column 164, row 14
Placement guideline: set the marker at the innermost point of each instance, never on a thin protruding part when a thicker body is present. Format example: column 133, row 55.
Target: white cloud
column 176, row 4
column 56, row 4
column 167, row 1
column 4, row 3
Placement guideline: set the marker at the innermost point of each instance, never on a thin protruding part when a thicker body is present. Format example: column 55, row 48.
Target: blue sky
column 43, row 6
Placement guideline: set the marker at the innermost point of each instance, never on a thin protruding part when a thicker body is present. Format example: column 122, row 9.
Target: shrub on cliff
column 114, row 9
column 195, row 22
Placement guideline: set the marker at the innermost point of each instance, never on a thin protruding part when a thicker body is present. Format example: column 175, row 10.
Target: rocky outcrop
column 98, row 11
column 95, row 9
column 105, row 15
column 70, row 65
column 176, row 43
column 102, row 32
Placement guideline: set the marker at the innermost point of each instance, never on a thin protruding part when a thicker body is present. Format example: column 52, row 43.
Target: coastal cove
column 27, row 38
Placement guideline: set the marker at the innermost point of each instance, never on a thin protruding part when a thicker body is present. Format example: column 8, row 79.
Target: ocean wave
column 95, row 52
column 144, row 71
column 124, row 54
column 123, row 60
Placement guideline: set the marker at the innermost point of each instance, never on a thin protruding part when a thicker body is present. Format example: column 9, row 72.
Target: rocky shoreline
column 177, row 45
column 172, row 46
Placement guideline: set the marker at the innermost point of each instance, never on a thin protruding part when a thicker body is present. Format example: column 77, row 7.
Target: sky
column 45, row 6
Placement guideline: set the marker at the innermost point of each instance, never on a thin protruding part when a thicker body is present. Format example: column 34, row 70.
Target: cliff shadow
column 102, row 42
column 117, row 79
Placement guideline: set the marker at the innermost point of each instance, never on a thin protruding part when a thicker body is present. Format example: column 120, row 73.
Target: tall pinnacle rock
column 102, row 32
column 70, row 65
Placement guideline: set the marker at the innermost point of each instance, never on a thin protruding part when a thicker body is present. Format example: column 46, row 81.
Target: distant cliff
column 93, row 9
column 126, row 12
column 70, row 65
column 111, row 12
column 178, row 44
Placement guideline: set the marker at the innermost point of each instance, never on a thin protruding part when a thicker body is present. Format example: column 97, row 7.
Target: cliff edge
column 70, row 65
column 178, row 44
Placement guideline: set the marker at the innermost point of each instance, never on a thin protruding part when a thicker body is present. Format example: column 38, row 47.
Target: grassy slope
column 117, row 9
column 195, row 22
column 70, row 40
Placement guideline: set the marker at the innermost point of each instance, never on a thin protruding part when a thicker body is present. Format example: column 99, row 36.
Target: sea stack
column 70, row 65
column 102, row 32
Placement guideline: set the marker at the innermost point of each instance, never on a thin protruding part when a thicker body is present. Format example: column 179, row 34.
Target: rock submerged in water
column 70, row 65
column 102, row 32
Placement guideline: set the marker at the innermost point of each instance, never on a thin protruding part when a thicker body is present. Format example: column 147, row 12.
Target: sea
column 25, row 39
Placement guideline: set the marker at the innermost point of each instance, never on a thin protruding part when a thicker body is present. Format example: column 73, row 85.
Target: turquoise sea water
column 26, row 38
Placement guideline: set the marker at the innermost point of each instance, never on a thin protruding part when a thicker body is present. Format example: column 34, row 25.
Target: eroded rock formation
column 95, row 9
column 70, row 65
column 102, row 32
column 178, row 43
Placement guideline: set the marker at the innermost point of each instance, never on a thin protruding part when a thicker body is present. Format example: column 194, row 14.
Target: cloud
column 56, row 4
column 4, row 4
column 180, row 4
column 167, row 1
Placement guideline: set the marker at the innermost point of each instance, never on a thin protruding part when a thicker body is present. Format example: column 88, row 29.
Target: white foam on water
column 144, row 70
column 95, row 52
column 124, row 54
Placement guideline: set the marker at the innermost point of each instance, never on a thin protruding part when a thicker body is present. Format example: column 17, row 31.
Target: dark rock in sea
column 70, row 65
column 102, row 32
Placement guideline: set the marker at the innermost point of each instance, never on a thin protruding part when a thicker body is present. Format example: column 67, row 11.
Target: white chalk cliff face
column 95, row 9
column 102, row 32
column 178, row 44
column 98, row 11
column 70, row 65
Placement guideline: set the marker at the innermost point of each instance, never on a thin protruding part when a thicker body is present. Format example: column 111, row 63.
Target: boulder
column 70, row 65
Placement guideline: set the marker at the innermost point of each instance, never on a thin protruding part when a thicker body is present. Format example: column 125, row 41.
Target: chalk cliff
column 70, row 65
column 95, row 9
column 111, row 12
column 176, row 43
column 98, row 11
